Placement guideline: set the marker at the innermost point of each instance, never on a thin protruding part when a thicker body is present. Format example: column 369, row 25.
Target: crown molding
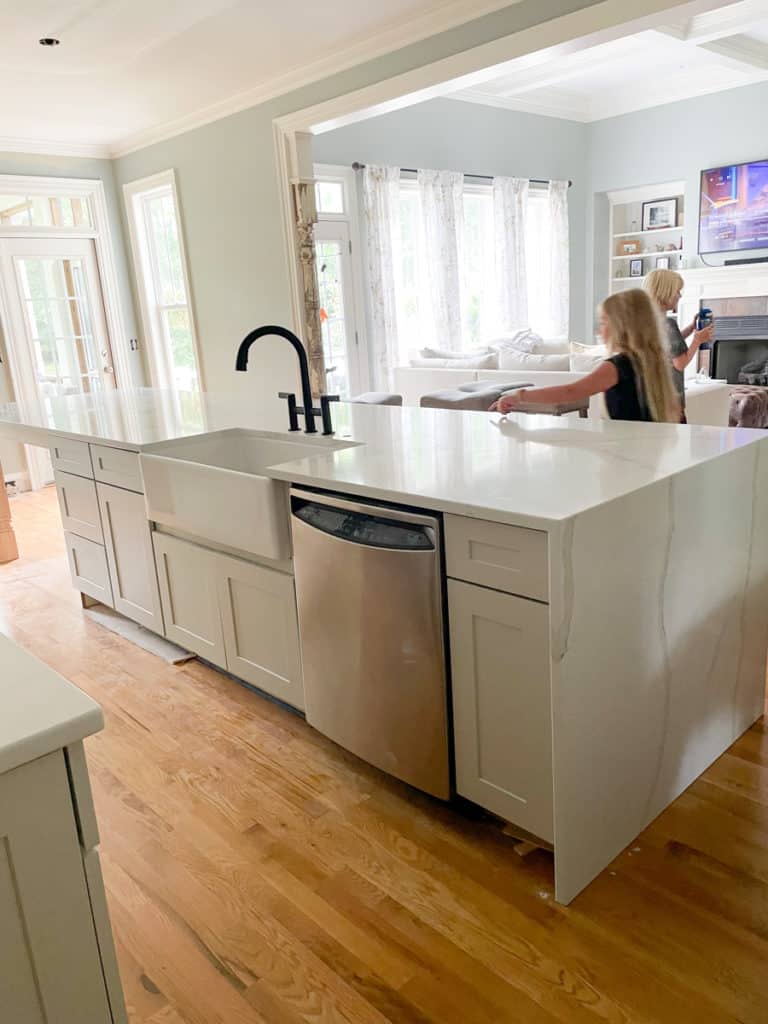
column 430, row 23
column 51, row 147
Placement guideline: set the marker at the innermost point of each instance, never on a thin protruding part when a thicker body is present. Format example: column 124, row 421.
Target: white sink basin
column 214, row 487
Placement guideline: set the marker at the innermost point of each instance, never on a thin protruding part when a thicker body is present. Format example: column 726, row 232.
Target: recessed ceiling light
column 49, row 41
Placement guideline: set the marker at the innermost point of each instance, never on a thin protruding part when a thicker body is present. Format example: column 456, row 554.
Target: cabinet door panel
column 50, row 968
column 501, row 704
column 79, row 506
column 128, row 541
column 188, row 590
column 261, row 633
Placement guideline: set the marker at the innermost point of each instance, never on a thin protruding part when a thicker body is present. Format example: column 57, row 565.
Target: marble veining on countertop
column 529, row 470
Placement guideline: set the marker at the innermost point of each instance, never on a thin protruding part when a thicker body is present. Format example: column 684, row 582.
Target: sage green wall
column 228, row 194
column 11, row 455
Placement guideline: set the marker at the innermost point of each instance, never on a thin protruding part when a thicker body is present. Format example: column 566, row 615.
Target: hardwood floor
column 255, row 872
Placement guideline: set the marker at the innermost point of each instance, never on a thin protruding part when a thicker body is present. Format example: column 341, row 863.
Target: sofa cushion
column 489, row 361
column 586, row 358
column 510, row 359
column 442, row 353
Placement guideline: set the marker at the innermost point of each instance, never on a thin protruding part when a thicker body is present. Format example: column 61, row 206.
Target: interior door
column 341, row 343
column 56, row 333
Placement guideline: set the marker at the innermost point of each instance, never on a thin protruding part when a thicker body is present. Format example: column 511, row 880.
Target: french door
column 56, row 332
column 344, row 369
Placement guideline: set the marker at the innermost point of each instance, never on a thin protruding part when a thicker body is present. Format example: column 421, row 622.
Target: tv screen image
column 733, row 212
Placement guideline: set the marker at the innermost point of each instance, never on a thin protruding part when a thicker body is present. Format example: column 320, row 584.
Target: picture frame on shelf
column 635, row 268
column 662, row 262
column 629, row 247
column 659, row 214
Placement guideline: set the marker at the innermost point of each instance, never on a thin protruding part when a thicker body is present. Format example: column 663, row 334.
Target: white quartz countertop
column 39, row 710
column 526, row 470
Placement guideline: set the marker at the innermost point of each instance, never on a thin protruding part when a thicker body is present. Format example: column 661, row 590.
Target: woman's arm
column 699, row 338
column 605, row 376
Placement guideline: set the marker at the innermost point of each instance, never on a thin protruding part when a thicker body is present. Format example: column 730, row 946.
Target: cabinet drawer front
column 118, row 467
column 88, row 566
column 79, row 506
column 71, row 457
column 188, row 593
column 508, row 558
column 502, row 704
column 261, row 631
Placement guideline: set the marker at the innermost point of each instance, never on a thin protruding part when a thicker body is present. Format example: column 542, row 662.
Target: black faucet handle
column 293, row 412
column 325, row 412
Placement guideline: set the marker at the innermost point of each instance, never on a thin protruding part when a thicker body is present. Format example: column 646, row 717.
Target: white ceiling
column 130, row 70
column 707, row 53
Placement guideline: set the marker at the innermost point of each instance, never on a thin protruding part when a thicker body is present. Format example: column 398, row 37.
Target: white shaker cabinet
column 501, row 704
column 188, row 581
column 261, row 631
column 128, row 543
column 57, row 957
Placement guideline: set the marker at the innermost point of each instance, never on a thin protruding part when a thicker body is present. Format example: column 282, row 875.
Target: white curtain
column 559, row 277
column 381, row 196
column 442, row 221
column 510, row 201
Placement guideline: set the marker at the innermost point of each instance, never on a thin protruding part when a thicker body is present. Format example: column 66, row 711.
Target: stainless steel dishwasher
column 371, row 622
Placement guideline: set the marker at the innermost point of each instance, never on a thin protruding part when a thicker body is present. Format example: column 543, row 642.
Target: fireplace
column 740, row 350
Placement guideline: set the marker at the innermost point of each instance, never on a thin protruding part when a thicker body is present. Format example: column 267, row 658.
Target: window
column 42, row 211
column 158, row 251
column 477, row 266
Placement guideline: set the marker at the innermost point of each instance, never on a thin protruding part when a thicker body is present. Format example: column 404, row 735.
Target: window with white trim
column 158, row 251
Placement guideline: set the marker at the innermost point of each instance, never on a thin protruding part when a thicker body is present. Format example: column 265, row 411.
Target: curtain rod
column 487, row 177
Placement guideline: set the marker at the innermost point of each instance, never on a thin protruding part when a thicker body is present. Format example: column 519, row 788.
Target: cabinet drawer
column 118, row 467
column 71, row 457
column 88, row 566
column 508, row 558
column 79, row 505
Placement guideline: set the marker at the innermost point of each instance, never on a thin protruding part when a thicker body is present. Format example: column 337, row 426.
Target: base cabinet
column 187, row 575
column 502, row 704
column 261, row 630
column 52, row 963
column 236, row 614
column 88, row 568
column 128, row 543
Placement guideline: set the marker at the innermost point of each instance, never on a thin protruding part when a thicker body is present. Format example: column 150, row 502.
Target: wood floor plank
column 256, row 872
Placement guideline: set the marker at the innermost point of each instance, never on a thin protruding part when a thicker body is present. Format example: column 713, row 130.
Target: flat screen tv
column 733, row 211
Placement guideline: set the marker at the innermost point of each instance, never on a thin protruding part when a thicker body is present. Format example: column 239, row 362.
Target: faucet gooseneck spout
column 241, row 363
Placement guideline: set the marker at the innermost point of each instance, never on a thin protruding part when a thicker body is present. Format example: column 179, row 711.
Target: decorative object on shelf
column 635, row 268
column 659, row 247
column 671, row 247
column 659, row 213
column 662, row 262
column 629, row 246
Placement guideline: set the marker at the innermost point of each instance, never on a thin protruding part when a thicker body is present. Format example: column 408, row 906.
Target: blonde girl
column 635, row 379
column 665, row 287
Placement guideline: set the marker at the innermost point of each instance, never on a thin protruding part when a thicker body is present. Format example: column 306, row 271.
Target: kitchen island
column 607, row 587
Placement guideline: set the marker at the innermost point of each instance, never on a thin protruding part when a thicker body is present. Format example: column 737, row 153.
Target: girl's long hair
column 637, row 330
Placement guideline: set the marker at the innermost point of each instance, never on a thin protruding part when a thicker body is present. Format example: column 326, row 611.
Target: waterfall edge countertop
column 39, row 710
column 525, row 470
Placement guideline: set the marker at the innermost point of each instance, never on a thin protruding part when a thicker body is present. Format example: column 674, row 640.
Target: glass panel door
column 337, row 315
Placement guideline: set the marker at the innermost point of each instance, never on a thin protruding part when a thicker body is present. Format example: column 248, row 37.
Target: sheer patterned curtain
column 510, row 201
column 559, row 276
column 442, row 221
column 381, row 199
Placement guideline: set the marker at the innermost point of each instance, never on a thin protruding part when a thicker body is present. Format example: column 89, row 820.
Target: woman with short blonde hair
column 665, row 287
column 635, row 379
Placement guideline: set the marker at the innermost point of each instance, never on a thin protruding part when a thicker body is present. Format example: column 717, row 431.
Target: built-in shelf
column 619, row 280
column 649, row 231
column 646, row 255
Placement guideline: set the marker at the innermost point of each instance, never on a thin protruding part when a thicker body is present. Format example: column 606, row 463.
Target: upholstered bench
column 749, row 406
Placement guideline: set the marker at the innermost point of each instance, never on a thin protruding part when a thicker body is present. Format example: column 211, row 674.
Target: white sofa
column 707, row 401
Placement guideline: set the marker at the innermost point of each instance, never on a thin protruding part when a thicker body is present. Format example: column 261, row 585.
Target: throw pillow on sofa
column 524, row 340
column 586, row 358
column 487, row 362
column 510, row 359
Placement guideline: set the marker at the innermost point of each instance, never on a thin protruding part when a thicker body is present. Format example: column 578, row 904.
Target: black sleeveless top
column 625, row 400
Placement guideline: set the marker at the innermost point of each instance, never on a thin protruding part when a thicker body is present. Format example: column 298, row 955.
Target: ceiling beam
column 735, row 18
column 739, row 51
